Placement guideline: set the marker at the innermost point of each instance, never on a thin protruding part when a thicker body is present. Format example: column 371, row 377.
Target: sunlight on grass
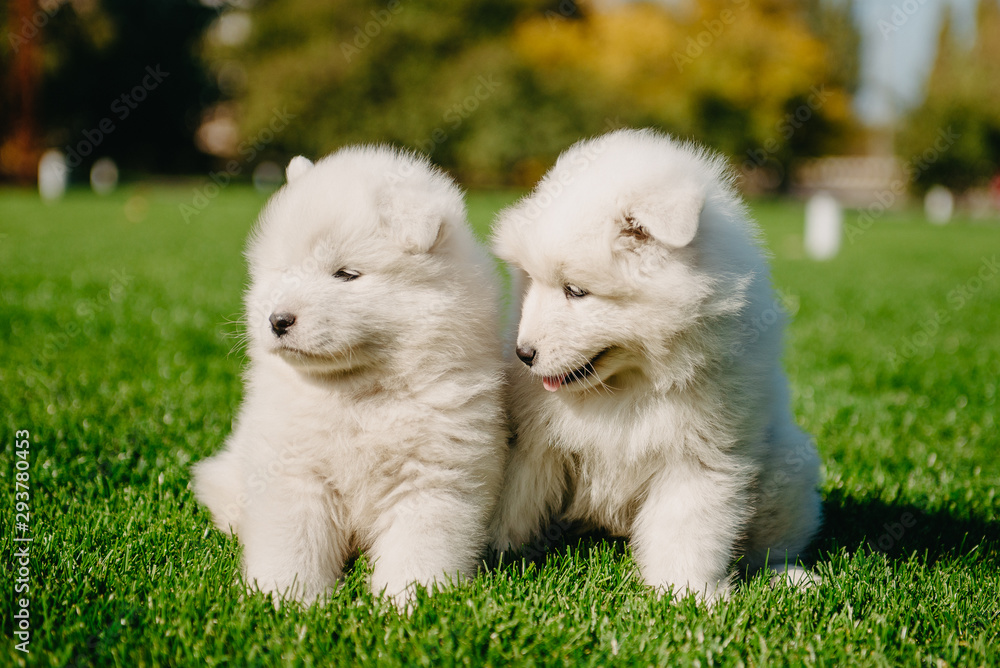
column 120, row 357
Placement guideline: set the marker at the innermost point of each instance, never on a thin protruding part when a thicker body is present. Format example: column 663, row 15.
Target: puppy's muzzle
column 281, row 322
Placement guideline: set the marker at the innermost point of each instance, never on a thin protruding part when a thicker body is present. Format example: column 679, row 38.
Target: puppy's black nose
column 280, row 322
column 526, row 354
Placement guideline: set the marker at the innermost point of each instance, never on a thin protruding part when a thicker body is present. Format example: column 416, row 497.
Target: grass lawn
column 115, row 354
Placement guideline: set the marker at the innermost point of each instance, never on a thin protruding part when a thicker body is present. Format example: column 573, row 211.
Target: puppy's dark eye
column 574, row 291
column 346, row 274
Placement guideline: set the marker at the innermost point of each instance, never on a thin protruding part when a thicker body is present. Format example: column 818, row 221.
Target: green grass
column 116, row 356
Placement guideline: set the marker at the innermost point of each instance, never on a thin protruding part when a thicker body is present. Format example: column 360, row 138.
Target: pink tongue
column 552, row 383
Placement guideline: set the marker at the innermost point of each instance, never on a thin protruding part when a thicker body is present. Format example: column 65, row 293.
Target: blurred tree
column 833, row 22
column 437, row 77
column 751, row 78
column 953, row 138
column 119, row 78
column 495, row 90
column 19, row 142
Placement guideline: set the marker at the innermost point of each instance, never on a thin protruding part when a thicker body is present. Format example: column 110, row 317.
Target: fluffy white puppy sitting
column 372, row 416
column 652, row 401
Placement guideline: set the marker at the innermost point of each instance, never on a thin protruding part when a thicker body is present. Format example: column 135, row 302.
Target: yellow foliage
column 603, row 44
column 663, row 62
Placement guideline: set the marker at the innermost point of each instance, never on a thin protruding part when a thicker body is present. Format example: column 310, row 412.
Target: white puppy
column 652, row 402
column 372, row 416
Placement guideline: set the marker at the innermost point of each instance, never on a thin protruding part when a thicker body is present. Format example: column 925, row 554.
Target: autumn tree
column 752, row 78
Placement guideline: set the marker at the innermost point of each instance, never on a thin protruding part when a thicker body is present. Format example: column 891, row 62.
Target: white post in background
column 824, row 226
column 268, row 176
column 104, row 176
column 939, row 205
column 52, row 175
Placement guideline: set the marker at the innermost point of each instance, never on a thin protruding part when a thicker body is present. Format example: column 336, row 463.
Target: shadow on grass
column 895, row 530
column 900, row 530
column 556, row 539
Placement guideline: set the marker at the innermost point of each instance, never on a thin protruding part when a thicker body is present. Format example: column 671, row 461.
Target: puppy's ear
column 670, row 217
column 424, row 237
column 298, row 166
column 415, row 223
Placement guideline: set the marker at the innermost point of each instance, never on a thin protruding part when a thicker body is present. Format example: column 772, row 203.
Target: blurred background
column 854, row 98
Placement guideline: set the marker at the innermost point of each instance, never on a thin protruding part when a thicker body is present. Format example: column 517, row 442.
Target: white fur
column 682, row 439
column 375, row 421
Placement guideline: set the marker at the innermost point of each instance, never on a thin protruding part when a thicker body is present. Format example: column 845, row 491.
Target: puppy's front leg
column 533, row 488
column 685, row 532
column 293, row 545
column 426, row 537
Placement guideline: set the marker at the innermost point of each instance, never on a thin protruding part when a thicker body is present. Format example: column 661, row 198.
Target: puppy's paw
column 404, row 601
column 289, row 591
column 706, row 593
column 794, row 575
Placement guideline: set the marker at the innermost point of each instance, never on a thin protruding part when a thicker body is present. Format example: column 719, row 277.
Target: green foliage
column 402, row 71
column 833, row 22
column 495, row 91
column 118, row 353
column 963, row 95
